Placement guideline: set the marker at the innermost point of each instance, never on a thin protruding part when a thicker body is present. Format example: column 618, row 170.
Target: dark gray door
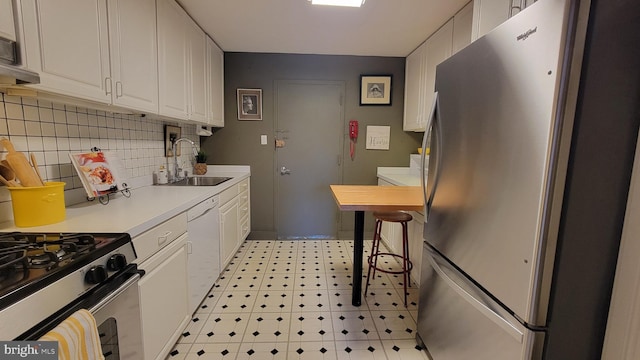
column 309, row 123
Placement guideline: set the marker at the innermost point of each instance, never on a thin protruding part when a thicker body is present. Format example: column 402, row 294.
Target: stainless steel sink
column 200, row 181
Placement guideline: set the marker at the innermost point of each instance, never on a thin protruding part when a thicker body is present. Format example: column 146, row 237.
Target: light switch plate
column 263, row 139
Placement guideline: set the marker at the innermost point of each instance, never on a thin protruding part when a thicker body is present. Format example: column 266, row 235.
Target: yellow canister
column 38, row 205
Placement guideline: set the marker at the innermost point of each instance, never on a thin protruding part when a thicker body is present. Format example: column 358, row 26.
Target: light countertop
column 147, row 207
column 400, row 176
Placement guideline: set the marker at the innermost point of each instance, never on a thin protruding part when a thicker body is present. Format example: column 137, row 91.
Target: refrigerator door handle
column 432, row 122
column 478, row 304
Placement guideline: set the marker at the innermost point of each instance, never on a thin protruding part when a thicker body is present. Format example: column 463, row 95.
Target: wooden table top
column 378, row 198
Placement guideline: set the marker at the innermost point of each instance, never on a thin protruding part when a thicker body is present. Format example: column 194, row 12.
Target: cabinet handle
column 163, row 238
column 189, row 247
column 107, row 86
column 118, row 89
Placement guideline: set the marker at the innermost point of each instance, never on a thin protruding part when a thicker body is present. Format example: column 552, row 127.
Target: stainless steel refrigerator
column 523, row 211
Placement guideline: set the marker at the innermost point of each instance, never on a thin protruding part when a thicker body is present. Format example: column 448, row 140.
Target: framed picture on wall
column 375, row 90
column 249, row 104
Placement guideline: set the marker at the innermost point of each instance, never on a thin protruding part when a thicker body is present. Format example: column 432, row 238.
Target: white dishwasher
column 203, row 249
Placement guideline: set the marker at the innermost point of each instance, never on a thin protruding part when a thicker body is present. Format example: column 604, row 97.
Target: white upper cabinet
column 420, row 73
column 462, row 24
column 94, row 50
column 413, row 92
column 67, row 42
column 172, row 59
column 7, row 26
column 197, row 71
column 134, row 54
column 487, row 14
column 438, row 49
column 215, row 84
column 181, row 63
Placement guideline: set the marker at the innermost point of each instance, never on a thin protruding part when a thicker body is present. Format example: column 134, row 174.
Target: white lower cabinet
column 392, row 237
column 391, row 233
column 164, row 292
column 235, row 219
column 244, row 215
column 229, row 233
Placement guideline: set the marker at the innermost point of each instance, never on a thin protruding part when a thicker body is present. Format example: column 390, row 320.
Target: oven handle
column 91, row 300
column 122, row 288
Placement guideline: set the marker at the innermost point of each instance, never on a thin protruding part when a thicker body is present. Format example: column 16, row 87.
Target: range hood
column 10, row 72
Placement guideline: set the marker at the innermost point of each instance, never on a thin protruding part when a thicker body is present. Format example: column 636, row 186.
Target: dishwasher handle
column 203, row 208
column 201, row 214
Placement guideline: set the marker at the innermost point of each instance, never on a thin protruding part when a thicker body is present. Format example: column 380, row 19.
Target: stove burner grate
column 14, row 265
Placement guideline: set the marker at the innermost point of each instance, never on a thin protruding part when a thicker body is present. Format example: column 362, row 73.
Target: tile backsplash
column 51, row 131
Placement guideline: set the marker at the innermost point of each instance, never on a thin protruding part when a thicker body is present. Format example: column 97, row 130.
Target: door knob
column 285, row 171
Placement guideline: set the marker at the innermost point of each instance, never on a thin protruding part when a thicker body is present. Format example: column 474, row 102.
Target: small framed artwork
column 375, row 89
column 249, row 104
column 171, row 134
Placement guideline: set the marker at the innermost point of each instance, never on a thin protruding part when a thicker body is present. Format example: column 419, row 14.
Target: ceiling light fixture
column 351, row 3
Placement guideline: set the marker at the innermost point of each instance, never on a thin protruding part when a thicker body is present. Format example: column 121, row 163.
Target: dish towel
column 77, row 337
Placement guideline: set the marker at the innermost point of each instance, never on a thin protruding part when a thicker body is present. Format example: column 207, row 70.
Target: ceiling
column 378, row 28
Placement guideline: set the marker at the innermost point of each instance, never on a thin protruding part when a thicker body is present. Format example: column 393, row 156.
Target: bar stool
column 396, row 217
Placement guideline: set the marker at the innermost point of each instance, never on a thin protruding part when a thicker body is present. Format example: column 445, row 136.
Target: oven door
column 116, row 308
column 118, row 319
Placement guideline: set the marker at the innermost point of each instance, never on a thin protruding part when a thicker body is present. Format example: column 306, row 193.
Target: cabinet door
column 172, row 60
column 462, row 23
column 438, row 49
column 164, row 303
column 244, row 210
column 413, row 90
column 215, row 86
column 67, row 42
column 7, row 26
column 229, row 231
column 197, row 73
column 487, row 14
column 391, row 233
column 134, row 55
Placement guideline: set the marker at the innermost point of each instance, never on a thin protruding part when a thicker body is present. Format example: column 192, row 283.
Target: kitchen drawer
column 243, row 205
column 245, row 228
column 149, row 242
column 229, row 194
column 243, row 185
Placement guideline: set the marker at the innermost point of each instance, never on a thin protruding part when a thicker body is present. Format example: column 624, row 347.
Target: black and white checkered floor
column 292, row 300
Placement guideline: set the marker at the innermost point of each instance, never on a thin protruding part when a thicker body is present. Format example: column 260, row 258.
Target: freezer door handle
column 432, row 123
column 478, row 304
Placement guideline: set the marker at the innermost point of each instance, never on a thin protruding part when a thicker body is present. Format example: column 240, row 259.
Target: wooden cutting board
column 20, row 165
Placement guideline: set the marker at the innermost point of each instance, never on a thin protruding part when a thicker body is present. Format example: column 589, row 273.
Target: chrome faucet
column 174, row 147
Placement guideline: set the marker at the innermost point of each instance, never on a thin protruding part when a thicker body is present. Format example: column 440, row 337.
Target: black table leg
column 358, row 245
